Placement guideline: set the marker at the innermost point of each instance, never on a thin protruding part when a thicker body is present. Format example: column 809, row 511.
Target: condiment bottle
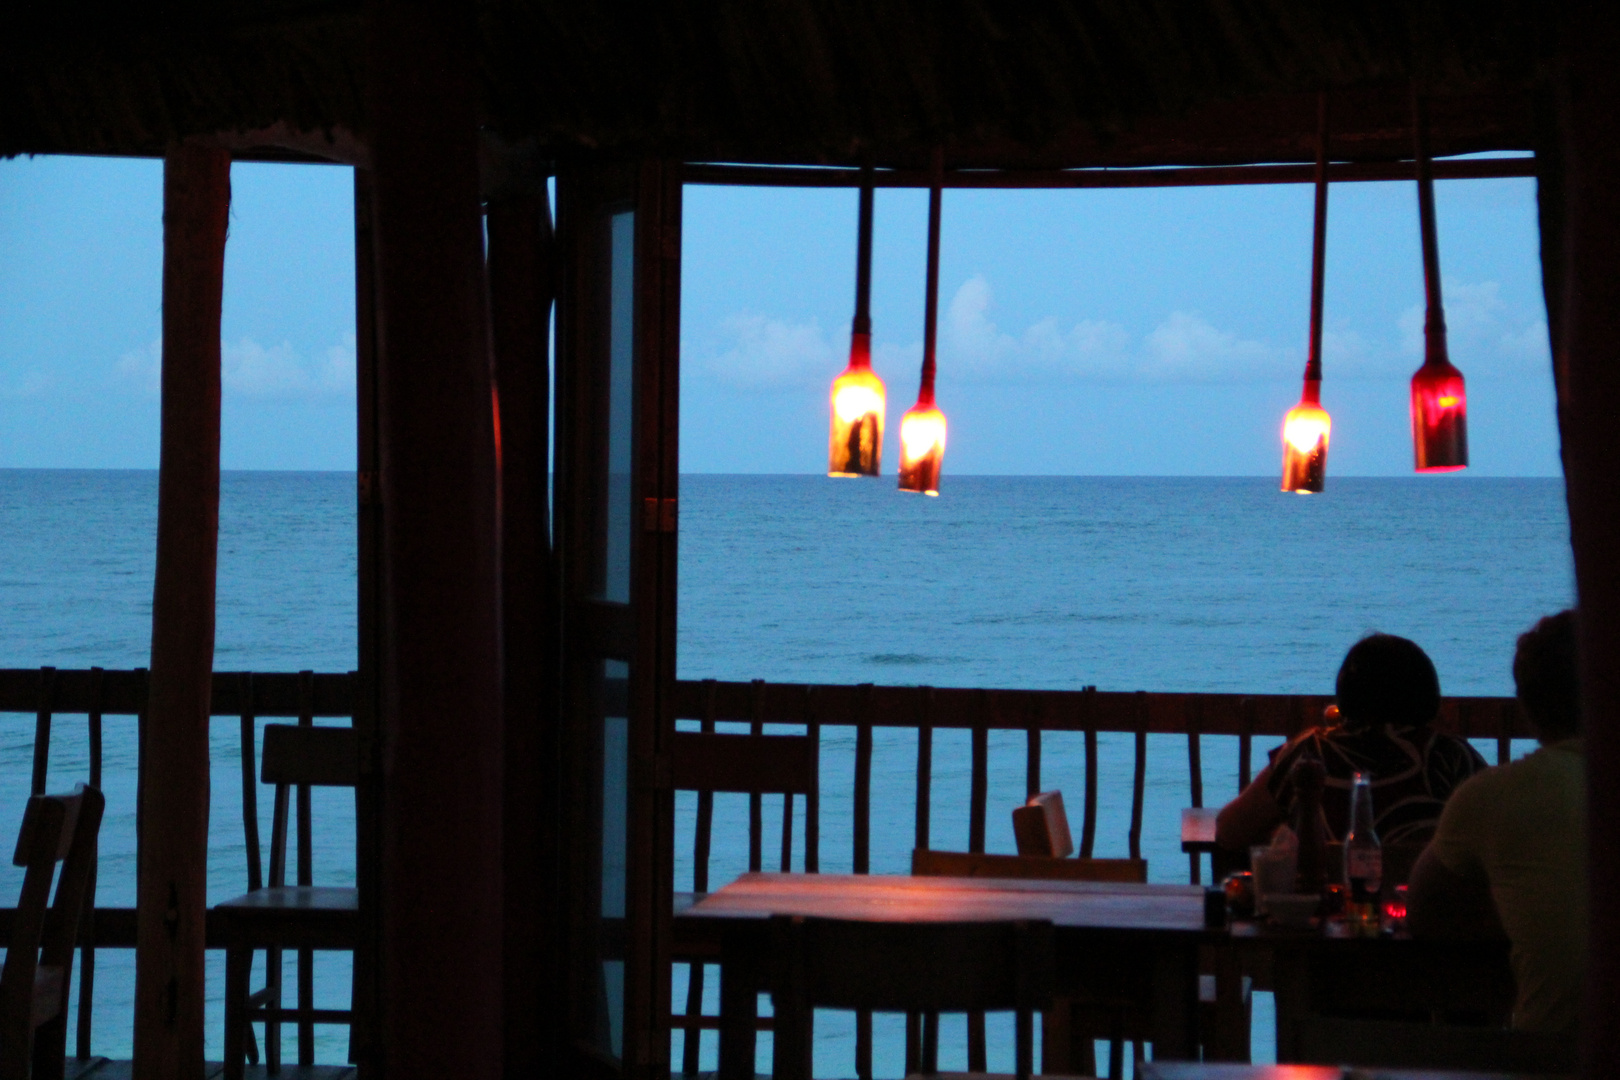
column 1310, row 826
column 1363, row 860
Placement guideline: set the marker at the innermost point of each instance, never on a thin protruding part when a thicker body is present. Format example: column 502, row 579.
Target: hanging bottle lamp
column 1306, row 428
column 922, row 430
column 855, row 441
column 1439, row 398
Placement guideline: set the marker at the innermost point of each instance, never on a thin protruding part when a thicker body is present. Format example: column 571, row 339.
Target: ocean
column 1171, row 584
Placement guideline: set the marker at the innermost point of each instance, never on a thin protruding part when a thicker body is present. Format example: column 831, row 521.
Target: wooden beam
column 1590, row 400
column 440, row 707
column 1025, row 179
column 520, row 294
column 172, row 874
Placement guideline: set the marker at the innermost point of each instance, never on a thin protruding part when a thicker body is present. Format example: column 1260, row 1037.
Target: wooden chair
column 38, row 973
column 1404, row 1044
column 1069, row 1027
column 273, row 915
column 754, row 765
column 920, row 969
column 1423, row 1004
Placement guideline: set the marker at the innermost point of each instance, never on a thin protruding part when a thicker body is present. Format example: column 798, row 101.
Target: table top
column 1191, row 1070
column 902, row 898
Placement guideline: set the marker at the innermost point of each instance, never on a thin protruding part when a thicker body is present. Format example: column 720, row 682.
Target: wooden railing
column 1035, row 712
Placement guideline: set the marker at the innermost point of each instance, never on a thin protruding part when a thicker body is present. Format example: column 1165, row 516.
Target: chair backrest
column 925, row 863
column 1400, row 1044
column 297, row 756
column 755, row 765
column 55, row 828
column 920, row 967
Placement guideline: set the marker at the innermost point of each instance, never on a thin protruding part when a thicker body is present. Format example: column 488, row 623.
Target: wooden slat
column 1051, row 710
column 1195, row 779
column 812, row 801
column 1245, row 741
column 861, row 855
column 123, row 693
column 1088, row 825
column 1032, row 757
column 756, row 822
column 1139, row 781
column 42, row 730
column 925, row 764
column 979, row 785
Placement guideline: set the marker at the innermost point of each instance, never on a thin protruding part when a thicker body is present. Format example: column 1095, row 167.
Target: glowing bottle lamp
column 1439, row 417
column 1439, row 399
column 855, row 440
column 1306, row 428
column 1305, row 443
column 922, row 429
column 922, row 446
column 855, row 444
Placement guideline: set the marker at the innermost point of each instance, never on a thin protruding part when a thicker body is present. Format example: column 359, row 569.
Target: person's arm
column 1250, row 818
column 1441, row 902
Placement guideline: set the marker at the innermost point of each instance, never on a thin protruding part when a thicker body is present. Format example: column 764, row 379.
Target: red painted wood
column 440, row 724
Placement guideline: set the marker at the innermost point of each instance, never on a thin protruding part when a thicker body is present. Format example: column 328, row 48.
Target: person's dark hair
column 1387, row 680
column 1544, row 673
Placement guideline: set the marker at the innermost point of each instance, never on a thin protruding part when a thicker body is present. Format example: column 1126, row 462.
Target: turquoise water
column 1054, row 582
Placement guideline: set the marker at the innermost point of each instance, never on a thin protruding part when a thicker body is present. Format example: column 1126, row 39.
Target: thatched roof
column 1001, row 82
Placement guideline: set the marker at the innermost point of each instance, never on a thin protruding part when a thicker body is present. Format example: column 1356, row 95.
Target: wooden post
column 172, row 877
column 440, row 723
column 520, row 292
column 1590, row 400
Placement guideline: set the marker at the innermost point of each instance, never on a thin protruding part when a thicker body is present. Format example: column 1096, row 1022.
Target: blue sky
column 1082, row 332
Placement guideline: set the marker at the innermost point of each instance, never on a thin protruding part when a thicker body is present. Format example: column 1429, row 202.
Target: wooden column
column 1590, row 403
column 440, row 707
column 520, row 293
column 172, row 879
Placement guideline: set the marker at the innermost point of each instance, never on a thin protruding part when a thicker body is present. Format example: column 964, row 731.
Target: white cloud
column 250, row 370
column 1187, row 348
column 1482, row 332
column 1183, row 348
column 771, row 353
column 31, row 384
column 143, row 368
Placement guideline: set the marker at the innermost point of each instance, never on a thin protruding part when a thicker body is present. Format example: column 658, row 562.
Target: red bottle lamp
column 859, row 402
column 1307, row 426
column 1439, row 398
column 922, row 429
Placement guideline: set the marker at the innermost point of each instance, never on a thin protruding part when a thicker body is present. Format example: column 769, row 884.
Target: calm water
column 1122, row 583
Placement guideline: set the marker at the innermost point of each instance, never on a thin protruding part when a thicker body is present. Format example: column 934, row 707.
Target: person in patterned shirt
column 1388, row 696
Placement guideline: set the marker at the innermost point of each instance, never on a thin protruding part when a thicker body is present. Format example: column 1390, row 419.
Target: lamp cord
column 1313, row 361
column 931, row 316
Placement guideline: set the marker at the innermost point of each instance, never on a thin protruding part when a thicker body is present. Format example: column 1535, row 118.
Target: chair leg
column 693, row 1043
column 975, row 1043
column 306, row 1005
column 50, row 1047
column 238, row 967
column 863, row 1045
column 272, row 1006
column 1025, row 1039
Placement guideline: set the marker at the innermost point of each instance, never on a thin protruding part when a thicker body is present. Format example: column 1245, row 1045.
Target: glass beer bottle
column 1363, row 860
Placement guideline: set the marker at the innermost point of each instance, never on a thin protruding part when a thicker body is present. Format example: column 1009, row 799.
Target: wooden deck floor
column 100, row 1068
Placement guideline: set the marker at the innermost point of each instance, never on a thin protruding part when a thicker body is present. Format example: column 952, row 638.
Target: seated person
column 1510, row 850
column 1388, row 696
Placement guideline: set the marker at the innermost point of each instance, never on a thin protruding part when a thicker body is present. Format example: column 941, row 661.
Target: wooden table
column 1188, row 1070
column 1114, row 940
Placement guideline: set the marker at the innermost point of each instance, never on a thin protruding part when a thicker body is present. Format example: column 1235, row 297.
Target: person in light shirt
column 1509, row 854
